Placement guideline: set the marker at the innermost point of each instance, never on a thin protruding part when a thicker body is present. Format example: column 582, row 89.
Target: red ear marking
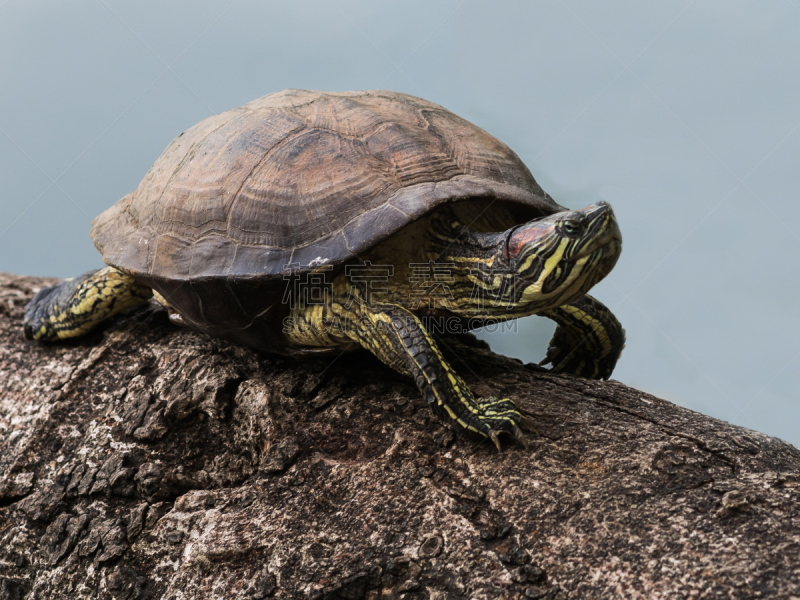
column 525, row 235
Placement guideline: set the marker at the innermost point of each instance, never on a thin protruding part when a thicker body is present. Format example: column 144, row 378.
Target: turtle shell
column 296, row 180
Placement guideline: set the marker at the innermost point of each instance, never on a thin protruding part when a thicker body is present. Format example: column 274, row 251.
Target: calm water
column 683, row 115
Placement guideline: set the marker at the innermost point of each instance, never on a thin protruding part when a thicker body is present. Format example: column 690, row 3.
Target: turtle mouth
column 607, row 246
column 605, row 257
column 602, row 253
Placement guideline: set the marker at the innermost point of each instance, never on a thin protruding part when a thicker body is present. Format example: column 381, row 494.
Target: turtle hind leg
column 588, row 340
column 75, row 306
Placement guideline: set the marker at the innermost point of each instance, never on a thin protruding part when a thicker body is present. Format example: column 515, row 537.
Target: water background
column 683, row 115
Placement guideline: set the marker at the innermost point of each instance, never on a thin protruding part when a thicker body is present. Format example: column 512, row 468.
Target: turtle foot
column 499, row 416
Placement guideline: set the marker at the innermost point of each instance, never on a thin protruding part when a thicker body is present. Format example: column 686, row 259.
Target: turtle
column 309, row 222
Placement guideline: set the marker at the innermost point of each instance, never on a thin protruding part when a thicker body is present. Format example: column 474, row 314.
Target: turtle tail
column 75, row 306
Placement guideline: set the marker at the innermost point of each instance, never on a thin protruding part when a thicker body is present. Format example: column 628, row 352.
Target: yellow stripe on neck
column 534, row 291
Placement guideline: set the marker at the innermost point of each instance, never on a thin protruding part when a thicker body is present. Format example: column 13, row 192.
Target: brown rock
column 145, row 461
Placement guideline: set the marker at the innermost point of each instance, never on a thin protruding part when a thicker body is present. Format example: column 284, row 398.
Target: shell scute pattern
column 224, row 161
column 299, row 175
column 292, row 210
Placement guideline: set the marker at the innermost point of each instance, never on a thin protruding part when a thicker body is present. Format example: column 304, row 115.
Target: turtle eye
column 572, row 227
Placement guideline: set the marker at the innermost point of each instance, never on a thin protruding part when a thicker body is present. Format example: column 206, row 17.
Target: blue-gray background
column 684, row 115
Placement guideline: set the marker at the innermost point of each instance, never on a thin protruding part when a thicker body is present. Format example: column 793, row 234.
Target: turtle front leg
column 75, row 306
column 398, row 338
column 588, row 340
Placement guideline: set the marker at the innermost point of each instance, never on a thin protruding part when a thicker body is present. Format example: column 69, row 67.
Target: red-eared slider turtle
column 308, row 221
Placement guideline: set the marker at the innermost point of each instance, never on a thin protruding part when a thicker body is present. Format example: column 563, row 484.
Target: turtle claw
column 552, row 352
column 519, row 437
column 515, row 432
column 500, row 416
column 494, row 438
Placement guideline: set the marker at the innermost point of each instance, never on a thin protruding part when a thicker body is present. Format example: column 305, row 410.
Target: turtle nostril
column 28, row 331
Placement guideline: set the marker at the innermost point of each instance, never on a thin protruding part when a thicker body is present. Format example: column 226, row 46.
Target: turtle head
column 558, row 258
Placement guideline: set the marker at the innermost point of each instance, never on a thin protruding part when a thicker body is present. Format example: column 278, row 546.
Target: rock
column 16, row 486
column 136, row 521
column 146, row 461
column 61, row 535
column 9, row 590
column 114, row 544
column 281, row 456
column 431, row 548
column 125, row 584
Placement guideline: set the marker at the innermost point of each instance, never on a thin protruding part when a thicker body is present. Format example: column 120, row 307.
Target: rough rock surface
column 150, row 462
